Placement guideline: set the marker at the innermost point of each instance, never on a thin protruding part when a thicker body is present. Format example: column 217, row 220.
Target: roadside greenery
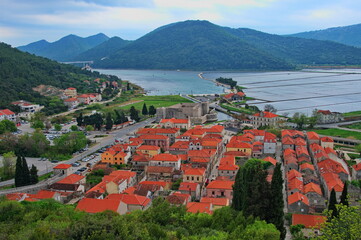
column 354, row 126
column 50, row 220
column 7, row 126
column 338, row 133
column 227, row 81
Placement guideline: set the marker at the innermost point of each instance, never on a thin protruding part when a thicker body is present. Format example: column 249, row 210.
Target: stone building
column 198, row 113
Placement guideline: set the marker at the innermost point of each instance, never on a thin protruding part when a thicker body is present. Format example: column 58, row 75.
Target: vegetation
column 95, row 177
column 354, row 126
column 7, row 126
column 51, row 220
column 339, row 133
column 66, row 48
column 352, row 114
column 332, row 205
column 20, row 72
column 227, row 81
column 237, row 109
column 23, row 176
column 197, row 45
column 7, row 171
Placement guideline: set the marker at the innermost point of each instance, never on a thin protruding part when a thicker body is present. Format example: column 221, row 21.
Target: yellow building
column 114, row 157
column 148, row 150
column 196, row 175
column 239, row 147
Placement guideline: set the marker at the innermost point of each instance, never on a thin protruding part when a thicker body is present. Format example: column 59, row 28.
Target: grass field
column 339, row 133
column 156, row 101
column 235, row 109
column 354, row 126
column 352, row 114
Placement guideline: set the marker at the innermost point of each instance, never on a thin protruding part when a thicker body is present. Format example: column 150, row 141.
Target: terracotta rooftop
column 217, row 184
column 296, row 197
column 309, row 221
column 130, row 199
column 93, row 205
column 166, row 157
column 71, row 179
column 62, row 166
column 197, row 207
column 215, row 201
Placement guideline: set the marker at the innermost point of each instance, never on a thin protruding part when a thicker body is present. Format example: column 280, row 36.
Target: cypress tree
column 276, row 203
column 108, row 122
column 33, row 175
column 19, row 181
column 145, row 110
column 152, row 110
column 26, row 172
column 332, row 204
column 80, row 120
column 134, row 114
column 237, row 188
column 343, row 198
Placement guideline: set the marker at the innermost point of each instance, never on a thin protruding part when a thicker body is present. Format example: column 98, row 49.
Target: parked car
column 76, row 164
column 54, row 161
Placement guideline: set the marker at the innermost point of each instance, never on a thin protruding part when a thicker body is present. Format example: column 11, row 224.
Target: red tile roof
column 7, row 112
column 149, row 147
column 71, row 179
column 309, row 221
column 266, row 115
column 271, row 160
column 357, row 167
column 307, row 166
column 333, row 181
column 157, row 183
column 329, row 165
column 43, row 194
column 62, row 166
column 296, row 197
column 326, row 139
column 178, row 198
column 237, row 144
column 217, row 184
column 186, row 186
column 93, row 205
column 293, row 174
column 312, row 187
column 159, row 169
column 195, row 171
column 71, row 100
column 166, row 157
column 173, row 120
column 180, row 145
column 313, row 136
column 288, row 141
column 197, row 207
column 130, row 199
column 295, row 183
column 215, row 201
column 15, row 196
column 155, row 137
column 155, row 131
column 324, row 112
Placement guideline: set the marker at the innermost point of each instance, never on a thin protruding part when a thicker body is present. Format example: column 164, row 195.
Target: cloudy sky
column 24, row 21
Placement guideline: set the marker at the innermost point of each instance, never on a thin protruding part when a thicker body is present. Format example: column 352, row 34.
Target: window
column 222, row 194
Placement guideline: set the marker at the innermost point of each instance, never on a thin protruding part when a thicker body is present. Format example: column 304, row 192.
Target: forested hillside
column 66, row 48
column 349, row 35
column 196, row 45
column 20, row 72
column 50, row 220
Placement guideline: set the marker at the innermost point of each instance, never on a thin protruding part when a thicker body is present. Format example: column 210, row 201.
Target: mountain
column 20, row 72
column 201, row 45
column 196, row 45
column 349, row 35
column 66, row 48
column 298, row 50
column 103, row 50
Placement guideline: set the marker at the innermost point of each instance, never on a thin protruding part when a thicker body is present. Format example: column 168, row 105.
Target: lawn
column 339, row 133
column 354, row 126
column 352, row 114
column 156, row 101
column 236, row 109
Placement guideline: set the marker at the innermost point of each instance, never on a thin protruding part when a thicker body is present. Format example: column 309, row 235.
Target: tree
column 145, row 110
column 152, row 110
column 109, row 122
column 74, row 128
column 80, row 120
column 7, row 126
column 128, row 86
column 38, row 124
column 57, row 127
column 270, row 108
column 8, row 166
column 19, row 178
column 134, row 114
column 33, row 175
column 332, row 205
column 26, row 172
column 89, row 128
column 277, row 204
column 343, row 197
column 300, row 119
column 345, row 226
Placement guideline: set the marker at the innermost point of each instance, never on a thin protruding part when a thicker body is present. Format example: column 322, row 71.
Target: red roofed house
column 172, row 133
column 191, row 188
column 216, row 202
column 312, row 224
column 156, row 173
column 70, row 92
column 288, row 143
column 227, row 167
column 139, row 162
column 356, row 169
column 93, row 205
column 71, row 183
column 133, row 201
column 165, row 160
column 298, row 203
column 175, row 123
column 71, row 102
column 270, row 160
column 326, row 116
column 312, row 137
column 7, row 114
column 178, row 198
column 269, row 143
column 197, row 175
column 265, row 119
column 62, row 169
column 307, row 168
column 240, row 96
column 332, row 181
column 84, row 98
column 44, row 194
column 198, row 207
column 156, row 140
column 179, row 147
column 219, row 188
column 327, row 142
column 148, row 150
column 314, row 194
column 331, row 166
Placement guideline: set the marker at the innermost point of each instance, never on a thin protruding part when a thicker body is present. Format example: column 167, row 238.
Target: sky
column 25, row 21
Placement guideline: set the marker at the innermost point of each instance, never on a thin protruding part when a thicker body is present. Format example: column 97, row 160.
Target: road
column 45, row 166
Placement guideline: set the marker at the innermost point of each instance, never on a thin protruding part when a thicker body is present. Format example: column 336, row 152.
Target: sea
column 303, row 91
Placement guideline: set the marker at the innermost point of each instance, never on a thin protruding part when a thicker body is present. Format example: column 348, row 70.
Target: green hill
column 103, row 50
column 66, row 48
column 349, row 35
column 196, row 45
column 299, row 50
column 20, row 72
